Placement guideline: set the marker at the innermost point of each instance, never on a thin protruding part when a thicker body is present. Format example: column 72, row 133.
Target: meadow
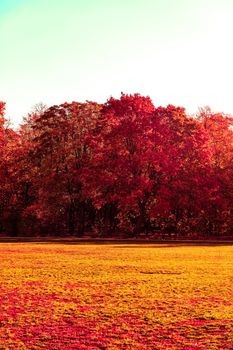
column 116, row 296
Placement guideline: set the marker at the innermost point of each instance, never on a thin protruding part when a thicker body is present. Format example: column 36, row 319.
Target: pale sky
column 175, row 51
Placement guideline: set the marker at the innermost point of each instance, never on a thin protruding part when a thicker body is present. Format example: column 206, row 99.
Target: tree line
column 124, row 167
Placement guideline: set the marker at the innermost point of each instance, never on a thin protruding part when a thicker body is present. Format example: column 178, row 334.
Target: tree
column 219, row 129
column 119, row 167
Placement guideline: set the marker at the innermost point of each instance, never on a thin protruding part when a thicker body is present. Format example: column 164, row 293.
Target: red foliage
column 124, row 165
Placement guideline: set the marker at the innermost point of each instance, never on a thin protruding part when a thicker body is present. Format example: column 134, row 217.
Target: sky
column 176, row 51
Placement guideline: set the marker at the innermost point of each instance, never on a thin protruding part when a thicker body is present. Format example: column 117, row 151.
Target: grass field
column 67, row 296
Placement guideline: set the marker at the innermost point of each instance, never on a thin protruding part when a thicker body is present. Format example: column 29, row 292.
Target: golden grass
column 58, row 296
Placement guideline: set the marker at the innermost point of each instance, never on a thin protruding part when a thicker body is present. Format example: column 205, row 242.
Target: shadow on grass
column 118, row 243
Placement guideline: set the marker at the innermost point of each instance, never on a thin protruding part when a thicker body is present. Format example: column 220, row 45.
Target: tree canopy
column 124, row 167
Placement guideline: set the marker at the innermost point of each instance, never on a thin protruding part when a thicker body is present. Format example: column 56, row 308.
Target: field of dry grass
column 116, row 296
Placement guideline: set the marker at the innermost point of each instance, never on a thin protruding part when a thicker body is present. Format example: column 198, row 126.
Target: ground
column 116, row 296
